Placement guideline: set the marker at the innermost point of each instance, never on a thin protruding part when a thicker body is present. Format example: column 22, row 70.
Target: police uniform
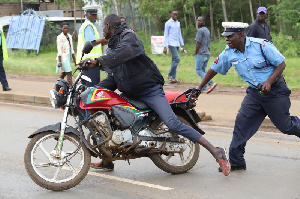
column 255, row 66
column 3, row 56
column 89, row 32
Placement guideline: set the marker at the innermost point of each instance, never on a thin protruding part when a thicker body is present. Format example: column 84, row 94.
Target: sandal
column 174, row 81
column 224, row 162
column 169, row 77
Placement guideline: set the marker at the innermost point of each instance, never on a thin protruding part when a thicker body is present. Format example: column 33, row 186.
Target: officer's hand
column 265, row 87
column 196, row 93
column 165, row 50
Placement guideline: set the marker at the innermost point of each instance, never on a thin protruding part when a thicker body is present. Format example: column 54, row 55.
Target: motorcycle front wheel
column 52, row 171
column 171, row 162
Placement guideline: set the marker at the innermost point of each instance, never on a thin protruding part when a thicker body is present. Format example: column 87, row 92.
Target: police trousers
column 254, row 108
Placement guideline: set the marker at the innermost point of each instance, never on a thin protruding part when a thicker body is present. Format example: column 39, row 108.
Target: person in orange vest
column 3, row 56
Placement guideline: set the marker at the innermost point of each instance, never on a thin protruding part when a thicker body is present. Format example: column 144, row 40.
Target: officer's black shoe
column 6, row 89
column 235, row 167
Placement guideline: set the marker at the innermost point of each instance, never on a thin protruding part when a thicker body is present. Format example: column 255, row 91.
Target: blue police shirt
column 89, row 34
column 250, row 65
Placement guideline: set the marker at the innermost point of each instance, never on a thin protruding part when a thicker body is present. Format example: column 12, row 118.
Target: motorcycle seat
column 139, row 104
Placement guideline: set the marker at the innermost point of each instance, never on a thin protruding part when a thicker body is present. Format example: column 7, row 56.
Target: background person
column 145, row 83
column 3, row 56
column 89, row 32
column 173, row 40
column 64, row 52
column 245, row 54
column 202, row 53
column 259, row 28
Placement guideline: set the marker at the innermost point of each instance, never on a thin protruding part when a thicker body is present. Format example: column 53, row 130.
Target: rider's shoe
column 100, row 165
column 224, row 162
column 235, row 167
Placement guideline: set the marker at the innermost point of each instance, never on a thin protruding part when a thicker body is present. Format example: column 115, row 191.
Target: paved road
column 273, row 167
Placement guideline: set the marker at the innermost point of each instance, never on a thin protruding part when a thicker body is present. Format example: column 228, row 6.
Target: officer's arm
column 277, row 72
column 208, row 76
column 101, row 41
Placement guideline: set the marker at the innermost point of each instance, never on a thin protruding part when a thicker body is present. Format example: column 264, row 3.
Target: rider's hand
column 59, row 64
column 89, row 63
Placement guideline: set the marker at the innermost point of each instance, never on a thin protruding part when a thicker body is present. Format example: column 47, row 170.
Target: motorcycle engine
column 120, row 137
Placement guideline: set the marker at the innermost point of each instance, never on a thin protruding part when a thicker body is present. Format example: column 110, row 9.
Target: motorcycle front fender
column 56, row 128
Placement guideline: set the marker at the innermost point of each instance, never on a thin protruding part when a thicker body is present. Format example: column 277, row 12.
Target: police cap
column 91, row 9
column 233, row 27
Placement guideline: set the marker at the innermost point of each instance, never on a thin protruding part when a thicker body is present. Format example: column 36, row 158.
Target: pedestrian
column 3, row 56
column 259, row 28
column 257, row 62
column 202, row 53
column 64, row 52
column 89, row 32
column 173, row 40
column 136, row 75
column 123, row 19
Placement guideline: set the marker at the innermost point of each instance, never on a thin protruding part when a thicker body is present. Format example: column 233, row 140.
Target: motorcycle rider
column 133, row 73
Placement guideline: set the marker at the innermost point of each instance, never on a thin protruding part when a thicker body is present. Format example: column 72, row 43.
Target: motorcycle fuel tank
column 101, row 98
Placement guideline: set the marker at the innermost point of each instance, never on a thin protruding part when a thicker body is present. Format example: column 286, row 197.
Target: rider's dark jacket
column 129, row 69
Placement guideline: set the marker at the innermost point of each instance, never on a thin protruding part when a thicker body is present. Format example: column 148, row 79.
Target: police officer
column 3, row 56
column 89, row 32
column 259, row 63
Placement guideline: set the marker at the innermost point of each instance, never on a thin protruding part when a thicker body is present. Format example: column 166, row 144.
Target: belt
column 277, row 81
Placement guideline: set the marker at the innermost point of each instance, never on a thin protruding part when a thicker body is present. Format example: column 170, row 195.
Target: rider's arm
column 130, row 47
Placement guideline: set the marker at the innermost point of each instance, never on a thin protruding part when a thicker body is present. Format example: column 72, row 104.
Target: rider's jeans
column 156, row 99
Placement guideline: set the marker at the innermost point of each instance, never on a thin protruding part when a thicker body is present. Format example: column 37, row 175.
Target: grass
column 21, row 61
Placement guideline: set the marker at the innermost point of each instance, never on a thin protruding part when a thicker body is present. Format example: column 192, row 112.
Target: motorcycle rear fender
column 191, row 116
column 56, row 129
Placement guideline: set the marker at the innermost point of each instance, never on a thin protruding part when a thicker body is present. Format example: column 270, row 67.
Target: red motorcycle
column 110, row 127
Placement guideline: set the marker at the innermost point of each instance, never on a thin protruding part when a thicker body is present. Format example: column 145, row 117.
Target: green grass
column 21, row 61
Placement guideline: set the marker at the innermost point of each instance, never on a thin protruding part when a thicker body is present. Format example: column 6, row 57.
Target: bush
column 288, row 47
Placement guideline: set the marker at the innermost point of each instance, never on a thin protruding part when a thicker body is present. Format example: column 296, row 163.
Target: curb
column 25, row 98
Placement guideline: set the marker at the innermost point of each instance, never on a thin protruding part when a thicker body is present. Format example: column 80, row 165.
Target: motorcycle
column 110, row 127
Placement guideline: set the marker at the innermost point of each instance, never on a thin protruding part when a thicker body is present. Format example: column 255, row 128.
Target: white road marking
column 131, row 181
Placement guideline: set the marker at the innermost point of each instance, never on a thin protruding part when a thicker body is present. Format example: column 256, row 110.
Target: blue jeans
column 255, row 107
column 156, row 99
column 200, row 66
column 175, row 61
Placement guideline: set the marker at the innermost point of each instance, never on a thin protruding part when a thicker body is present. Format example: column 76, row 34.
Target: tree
column 224, row 10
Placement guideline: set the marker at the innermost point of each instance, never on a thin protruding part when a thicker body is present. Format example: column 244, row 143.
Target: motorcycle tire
column 56, row 174
column 175, row 168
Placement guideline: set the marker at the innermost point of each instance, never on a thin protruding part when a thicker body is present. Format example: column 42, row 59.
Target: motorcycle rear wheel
column 176, row 163
column 52, row 172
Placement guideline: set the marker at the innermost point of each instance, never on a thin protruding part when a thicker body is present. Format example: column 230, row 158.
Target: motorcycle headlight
column 58, row 96
column 57, row 99
column 53, row 99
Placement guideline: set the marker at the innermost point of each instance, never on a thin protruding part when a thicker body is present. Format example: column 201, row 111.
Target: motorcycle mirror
column 86, row 78
column 88, row 46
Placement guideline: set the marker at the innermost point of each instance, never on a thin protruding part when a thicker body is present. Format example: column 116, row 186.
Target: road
column 272, row 167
